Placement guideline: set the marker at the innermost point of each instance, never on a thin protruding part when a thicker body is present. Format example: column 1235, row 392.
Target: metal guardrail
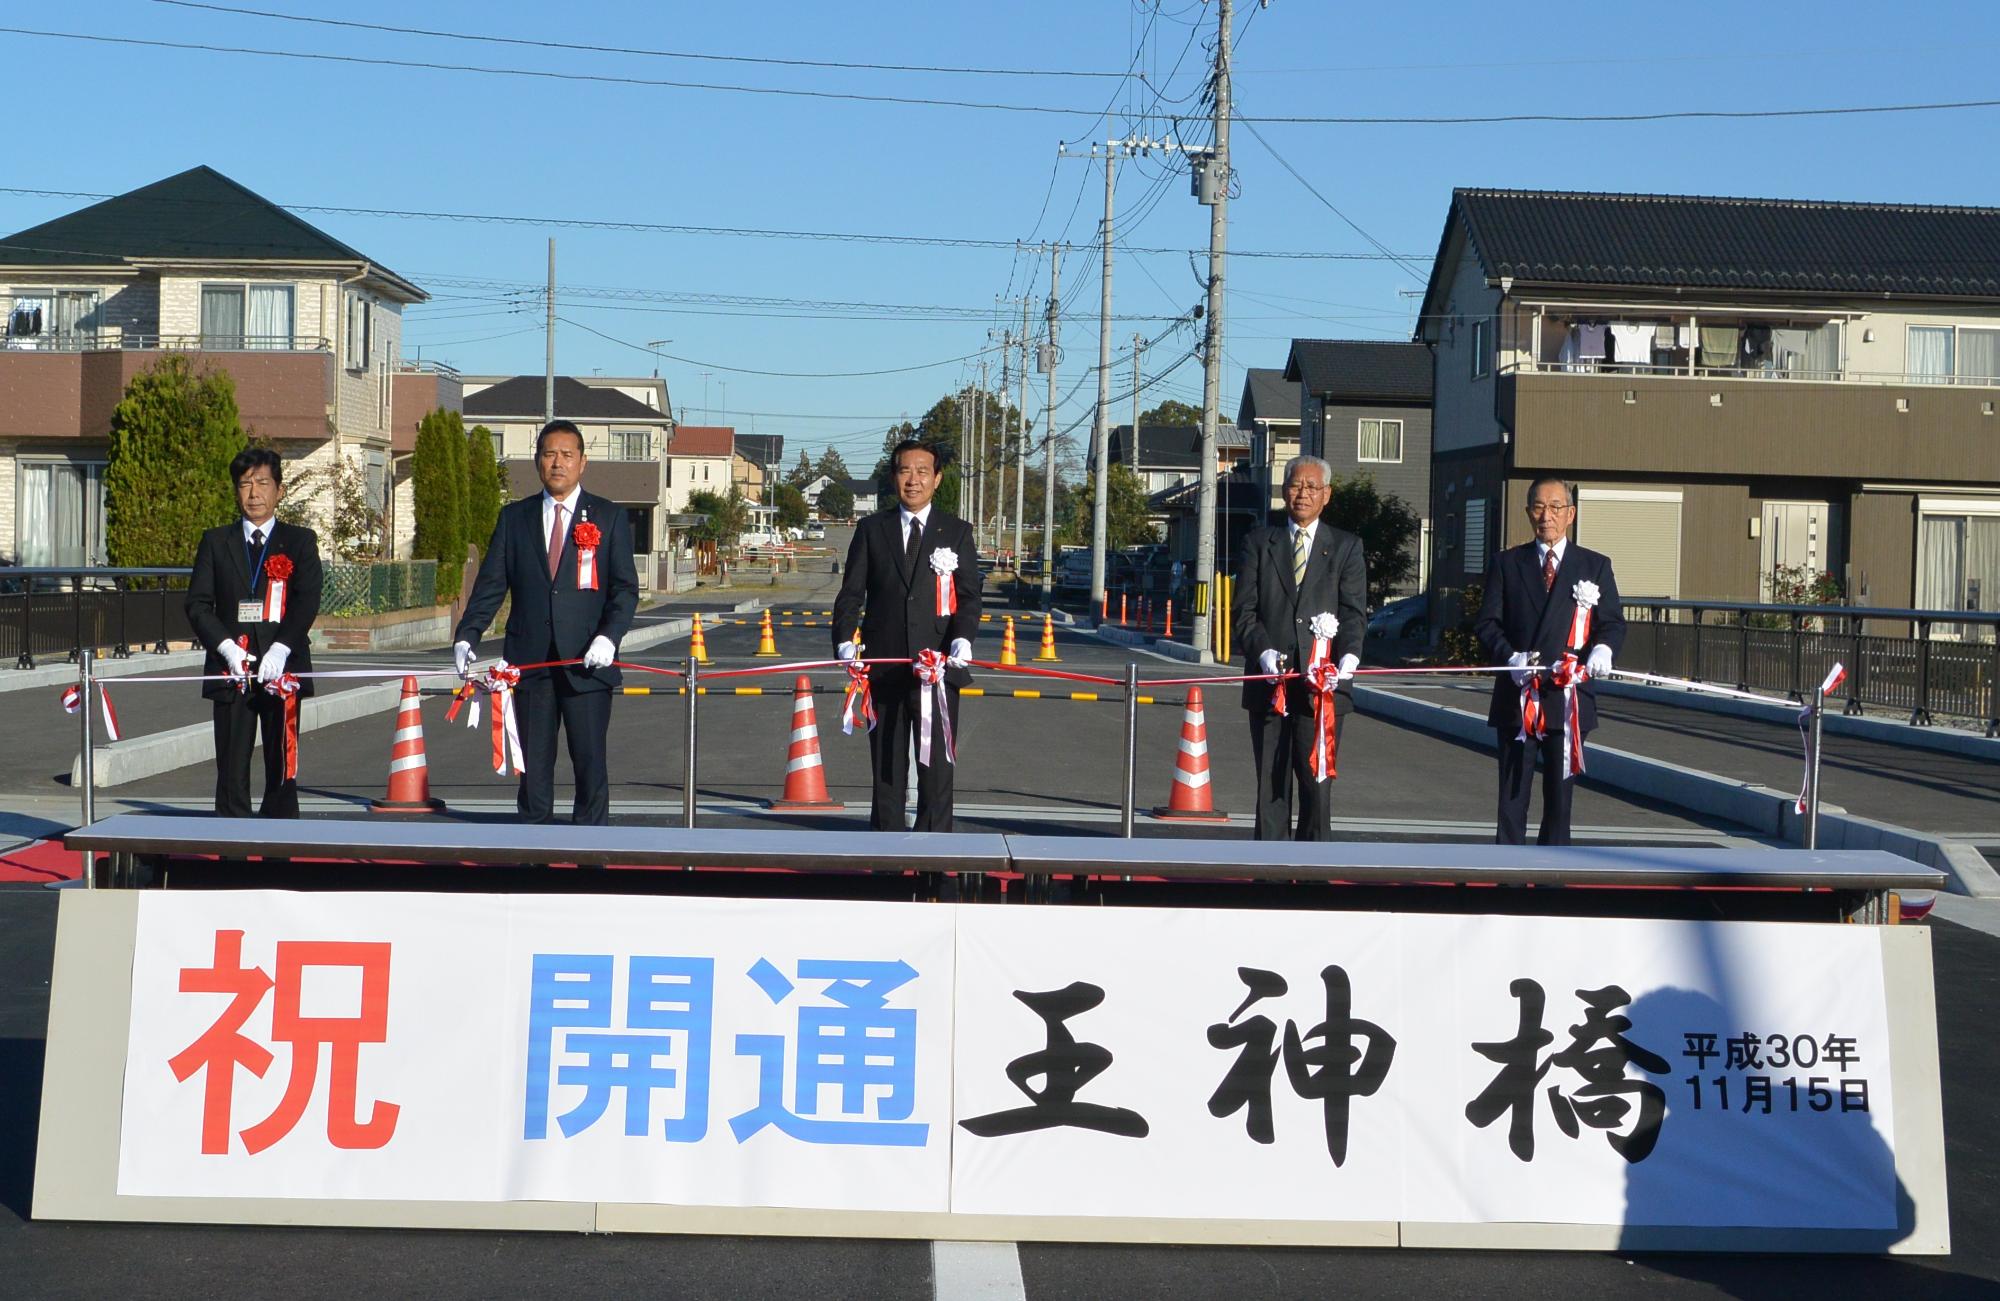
column 1790, row 648
column 133, row 341
column 378, row 587
column 1795, row 375
column 49, row 610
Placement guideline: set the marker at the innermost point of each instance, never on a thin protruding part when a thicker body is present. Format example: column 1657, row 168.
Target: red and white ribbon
column 243, row 675
column 277, row 573
column 72, row 698
column 858, row 703
column 586, row 569
column 72, row 702
column 286, row 686
column 944, row 564
column 932, row 701
column 1322, row 678
column 1834, row 677
column 1586, row 596
column 1570, row 673
column 499, row 682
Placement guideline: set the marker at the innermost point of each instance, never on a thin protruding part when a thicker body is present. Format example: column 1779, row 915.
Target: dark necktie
column 256, row 537
column 1549, row 571
column 910, row 551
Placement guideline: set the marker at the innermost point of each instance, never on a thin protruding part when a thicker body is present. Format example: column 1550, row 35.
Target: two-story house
column 699, row 460
column 757, row 464
column 1365, row 408
column 625, row 426
column 309, row 329
column 1731, row 385
column 1269, row 414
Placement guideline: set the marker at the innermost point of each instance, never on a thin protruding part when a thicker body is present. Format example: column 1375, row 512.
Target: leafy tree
column 173, row 436
column 485, row 489
column 437, row 498
column 1386, row 526
column 801, row 474
column 836, row 502
column 727, row 515
column 1125, row 520
column 1171, row 412
column 791, row 504
column 831, row 466
column 334, row 500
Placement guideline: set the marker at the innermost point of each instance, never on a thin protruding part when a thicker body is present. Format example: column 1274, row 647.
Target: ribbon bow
column 1570, row 673
column 286, row 687
column 1322, row 678
column 930, row 666
column 498, row 681
column 858, row 704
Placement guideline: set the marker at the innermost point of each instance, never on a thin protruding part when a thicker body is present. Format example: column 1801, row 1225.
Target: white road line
column 976, row 1271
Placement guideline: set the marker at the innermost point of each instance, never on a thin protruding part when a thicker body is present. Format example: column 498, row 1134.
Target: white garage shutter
column 1640, row 529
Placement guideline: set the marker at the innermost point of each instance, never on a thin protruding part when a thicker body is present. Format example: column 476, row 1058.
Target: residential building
column 1167, row 460
column 757, row 465
column 1733, row 386
column 699, row 460
column 626, row 429
column 1269, row 414
column 1365, row 408
column 418, row 388
column 868, row 496
column 309, row 329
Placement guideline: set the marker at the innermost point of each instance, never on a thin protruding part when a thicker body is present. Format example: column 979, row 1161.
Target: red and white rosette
column 588, row 537
column 858, row 705
column 277, row 578
column 944, row 564
column 1586, row 596
column 932, row 701
column 499, row 682
column 286, row 687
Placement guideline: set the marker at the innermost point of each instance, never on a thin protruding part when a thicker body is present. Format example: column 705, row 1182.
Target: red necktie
column 1548, row 570
column 556, row 545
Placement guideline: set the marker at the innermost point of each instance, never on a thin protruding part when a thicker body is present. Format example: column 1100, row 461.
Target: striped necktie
column 1300, row 543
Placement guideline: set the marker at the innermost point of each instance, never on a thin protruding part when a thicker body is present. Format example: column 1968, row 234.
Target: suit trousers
column 1518, row 760
column 237, row 719
column 889, row 758
column 1283, row 751
column 545, row 703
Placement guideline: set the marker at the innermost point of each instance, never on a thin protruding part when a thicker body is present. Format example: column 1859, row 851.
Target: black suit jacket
column 896, row 608
column 1271, row 612
column 222, row 579
column 1519, row 614
column 557, row 615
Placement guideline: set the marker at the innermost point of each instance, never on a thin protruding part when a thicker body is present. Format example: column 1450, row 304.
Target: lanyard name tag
column 249, row 612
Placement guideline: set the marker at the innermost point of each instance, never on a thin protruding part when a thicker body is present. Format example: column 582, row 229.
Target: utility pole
column 1100, row 438
column 1021, row 440
column 1049, row 434
column 1138, row 346
column 1212, row 187
column 549, row 364
column 979, row 422
column 1000, row 447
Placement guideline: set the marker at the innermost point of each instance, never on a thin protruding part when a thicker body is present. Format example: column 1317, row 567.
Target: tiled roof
column 1267, row 395
column 702, row 440
column 197, row 215
column 761, row 449
column 521, row 397
column 1695, row 242
column 1161, row 447
column 1361, row 370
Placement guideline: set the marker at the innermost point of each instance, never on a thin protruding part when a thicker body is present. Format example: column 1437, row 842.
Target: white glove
column 234, row 656
column 1522, row 674
column 461, row 658
column 273, row 665
column 845, row 651
column 961, row 653
column 1599, row 662
column 600, row 654
column 1267, row 663
column 1348, row 663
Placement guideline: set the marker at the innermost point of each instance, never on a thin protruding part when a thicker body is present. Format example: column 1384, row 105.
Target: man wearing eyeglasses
column 1289, row 575
column 1527, row 620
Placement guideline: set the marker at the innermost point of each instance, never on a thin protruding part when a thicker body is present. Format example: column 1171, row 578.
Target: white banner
column 1009, row 1060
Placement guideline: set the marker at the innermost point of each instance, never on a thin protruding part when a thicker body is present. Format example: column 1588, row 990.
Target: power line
column 1407, row 266
column 647, row 53
column 774, row 374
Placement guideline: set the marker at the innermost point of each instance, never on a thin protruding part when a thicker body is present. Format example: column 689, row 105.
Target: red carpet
column 40, row 860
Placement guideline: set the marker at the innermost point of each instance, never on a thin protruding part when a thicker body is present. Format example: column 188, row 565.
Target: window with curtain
column 76, row 315
column 1958, row 568
column 222, row 316
column 1978, row 356
column 632, row 444
column 1930, row 354
column 270, row 317
column 59, row 513
column 1380, row 440
column 1823, row 350
column 359, row 341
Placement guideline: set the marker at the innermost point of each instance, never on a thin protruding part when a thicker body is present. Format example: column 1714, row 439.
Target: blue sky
column 367, row 136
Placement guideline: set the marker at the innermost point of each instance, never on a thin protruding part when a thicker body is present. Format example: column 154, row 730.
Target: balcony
column 65, row 386
column 1728, row 421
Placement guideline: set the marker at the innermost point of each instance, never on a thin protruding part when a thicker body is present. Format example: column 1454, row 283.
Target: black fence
column 47, row 613
column 1927, row 662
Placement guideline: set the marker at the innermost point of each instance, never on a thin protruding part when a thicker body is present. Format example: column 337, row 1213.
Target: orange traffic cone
column 409, row 772
column 805, row 775
column 698, row 643
column 767, row 642
column 1048, row 651
column 1009, row 655
column 1190, row 800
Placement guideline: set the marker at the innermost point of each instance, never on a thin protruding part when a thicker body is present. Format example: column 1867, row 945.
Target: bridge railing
column 48, row 611
column 1928, row 662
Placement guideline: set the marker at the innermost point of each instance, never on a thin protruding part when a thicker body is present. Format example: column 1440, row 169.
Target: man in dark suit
column 1287, row 575
column 1531, row 602
column 572, row 597
column 256, row 579
column 897, row 565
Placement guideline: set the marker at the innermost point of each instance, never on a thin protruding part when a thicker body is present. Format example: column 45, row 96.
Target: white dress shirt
column 904, row 516
column 549, row 505
column 1542, row 550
